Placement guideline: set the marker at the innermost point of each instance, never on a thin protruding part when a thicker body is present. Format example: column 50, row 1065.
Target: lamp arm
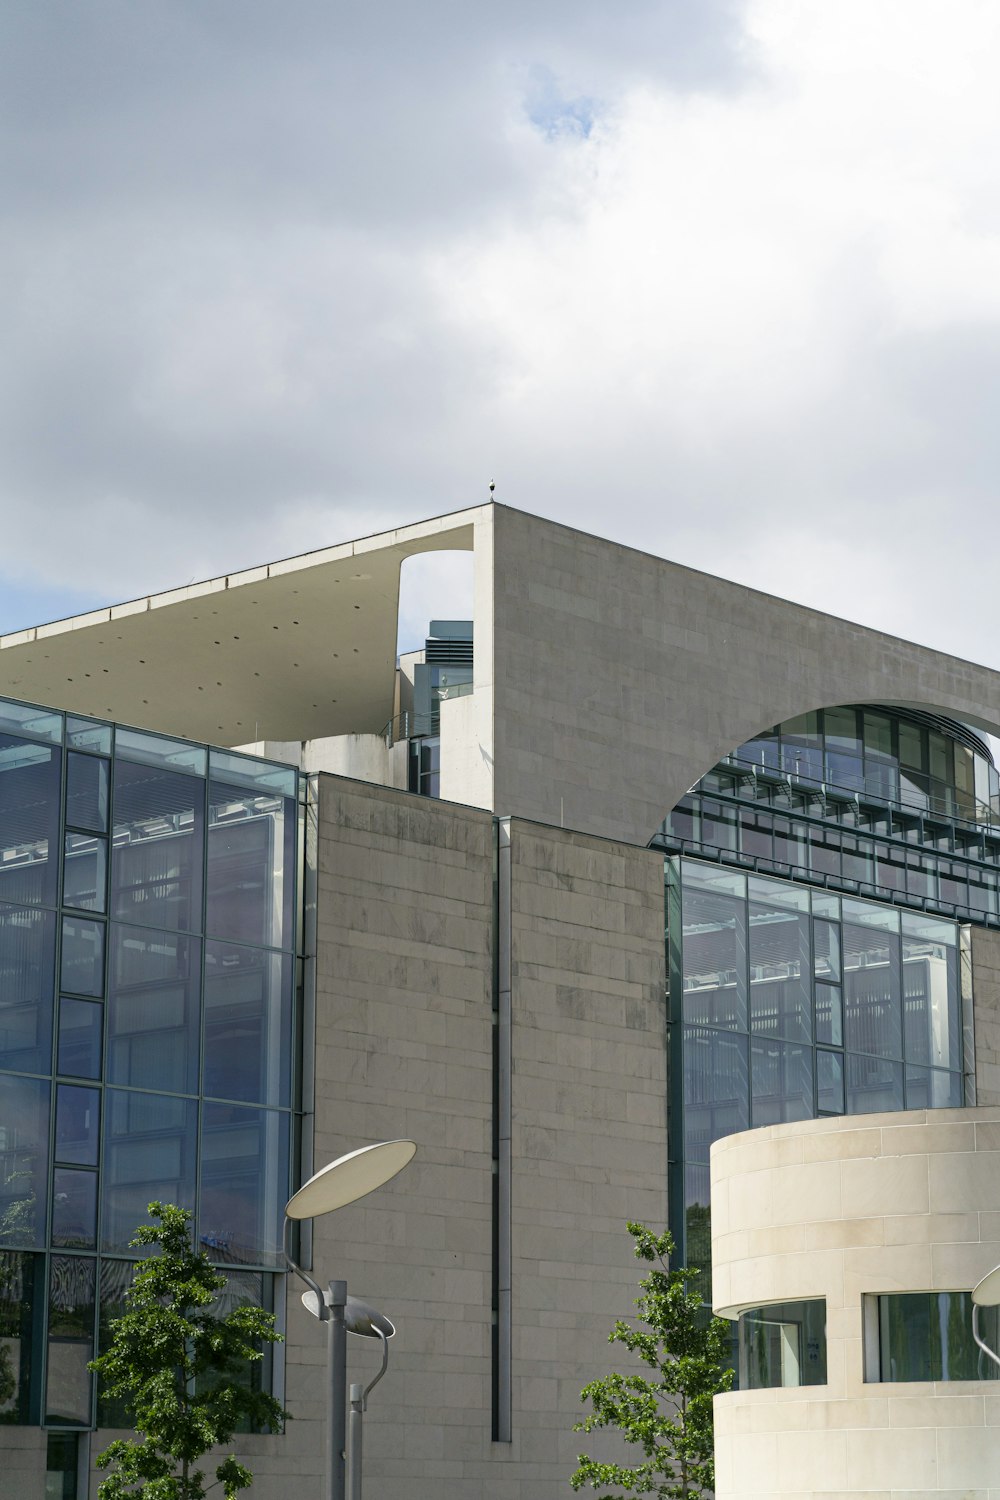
column 378, row 1377
column 324, row 1311
column 975, row 1334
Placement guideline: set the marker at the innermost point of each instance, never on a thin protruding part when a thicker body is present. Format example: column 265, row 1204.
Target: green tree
column 669, row 1416
column 177, row 1366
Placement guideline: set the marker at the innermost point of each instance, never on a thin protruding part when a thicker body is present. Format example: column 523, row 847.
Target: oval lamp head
column 359, row 1318
column 349, row 1177
column 987, row 1292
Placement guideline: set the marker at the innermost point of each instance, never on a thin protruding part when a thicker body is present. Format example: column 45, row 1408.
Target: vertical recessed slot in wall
column 501, row 1371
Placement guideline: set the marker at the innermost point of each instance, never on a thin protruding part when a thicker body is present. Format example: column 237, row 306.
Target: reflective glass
column 30, row 720
column 872, row 990
column 24, row 1153
column 247, row 1289
column 156, row 750
column 932, row 1005
column 698, row 1224
column 85, row 872
column 248, row 1024
column 149, row 1152
column 74, row 1208
column 30, row 776
column 718, row 825
column 154, row 1009
column 251, row 866
column 82, row 956
column 244, row 1183
column 755, row 834
column 783, row 1344
column 77, row 1124
column 80, row 1026
column 249, row 771
column 829, row 1082
column 156, row 861
column 27, row 978
column 715, row 958
column 932, row 1088
column 115, row 1280
column 781, row 1082
column 716, row 1088
column 826, row 947
column 928, row 1336
column 874, row 1085
column 88, row 734
column 71, row 1340
column 829, row 1014
column 87, row 793
column 22, row 1301
column 779, row 971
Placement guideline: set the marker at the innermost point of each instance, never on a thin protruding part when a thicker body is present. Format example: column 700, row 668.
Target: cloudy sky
column 718, row 278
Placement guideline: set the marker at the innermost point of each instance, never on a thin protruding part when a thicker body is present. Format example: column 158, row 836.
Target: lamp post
column 341, row 1182
column 365, row 1322
column 986, row 1293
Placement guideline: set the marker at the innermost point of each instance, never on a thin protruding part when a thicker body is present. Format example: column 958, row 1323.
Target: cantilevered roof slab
column 294, row 650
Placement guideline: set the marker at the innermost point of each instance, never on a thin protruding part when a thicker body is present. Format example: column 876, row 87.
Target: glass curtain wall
column 859, row 800
column 788, row 1003
column 148, row 1027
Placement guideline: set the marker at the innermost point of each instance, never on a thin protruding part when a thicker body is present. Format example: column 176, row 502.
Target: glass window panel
column 779, row 972
column 872, row 991
column 77, row 1124
column 824, row 852
column 87, row 780
column 874, row 1085
column 83, row 956
column 30, row 720
column 953, row 887
column 826, row 947
column 755, row 834
column 781, row 1082
column 74, row 1208
column 718, row 825
column 30, row 790
column 154, row 1009
column 88, row 734
column 829, row 1015
column 248, row 1024
column 890, row 867
column 247, row 1289
column 716, row 1089
column 939, row 756
column 791, row 844
column 928, row 1336
column 858, row 859
column 829, row 1082
column 777, row 895
column 22, row 1300
column 912, row 746
column 869, row 914
column 783, row 1344
column 149, row 1152
column 714, row 879
column 681, row 822
column 156, row 750
column 27, row 981
column 826, row 906
column 24, row 1153
column 156, row 862
column 983, row 886
column 253, row 773
column 85, row 872
column 921, row 875
column 715, row 959
column 115, row 1280
column 762, row 751
column 932, row 1004
column 244, row 1183
column 802, row 748
column 933, row 1088
column 71, row 1340
column 251, row 866
column 81, row 1023
column 698, row 1224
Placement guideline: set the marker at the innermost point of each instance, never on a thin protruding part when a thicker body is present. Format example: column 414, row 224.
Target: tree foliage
column 668, row 1416
column 178, row 1367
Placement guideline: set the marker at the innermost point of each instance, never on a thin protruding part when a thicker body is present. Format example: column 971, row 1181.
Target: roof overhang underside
column 295, row 650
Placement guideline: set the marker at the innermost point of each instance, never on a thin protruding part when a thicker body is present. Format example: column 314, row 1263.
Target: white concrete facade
column 847, row 1209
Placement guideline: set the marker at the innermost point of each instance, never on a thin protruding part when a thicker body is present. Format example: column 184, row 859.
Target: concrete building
column 310, row 897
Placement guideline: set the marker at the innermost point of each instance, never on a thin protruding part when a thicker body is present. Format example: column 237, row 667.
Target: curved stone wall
column 840, row 1208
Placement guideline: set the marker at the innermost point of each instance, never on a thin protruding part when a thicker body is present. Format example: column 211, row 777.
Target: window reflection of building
column 164, row 900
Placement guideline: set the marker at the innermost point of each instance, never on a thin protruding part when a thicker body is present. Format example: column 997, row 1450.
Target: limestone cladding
column 843, row 1208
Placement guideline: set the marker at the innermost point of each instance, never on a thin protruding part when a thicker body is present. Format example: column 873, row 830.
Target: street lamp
column 344, row 1181
column 366, row 1323
column 986, row 1293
